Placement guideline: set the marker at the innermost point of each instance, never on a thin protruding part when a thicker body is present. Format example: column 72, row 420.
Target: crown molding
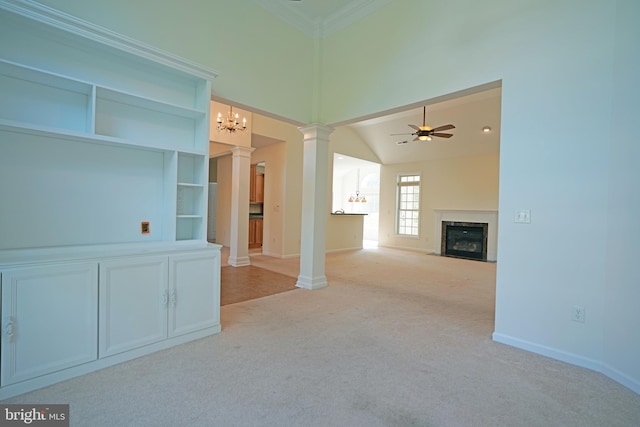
column 323, row 26
column 291, row 15
column 351, row 12
column 63, row 21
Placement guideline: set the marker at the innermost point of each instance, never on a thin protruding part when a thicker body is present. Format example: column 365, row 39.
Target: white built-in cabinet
column 104, row 155
column 152, row 298
column 50, row 319
column 190, row 293
column 133, row 303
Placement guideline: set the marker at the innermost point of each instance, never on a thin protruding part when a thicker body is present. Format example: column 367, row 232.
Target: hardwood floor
column 239, row 284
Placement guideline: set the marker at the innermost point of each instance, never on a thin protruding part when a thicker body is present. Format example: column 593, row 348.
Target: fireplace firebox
column 464, row 240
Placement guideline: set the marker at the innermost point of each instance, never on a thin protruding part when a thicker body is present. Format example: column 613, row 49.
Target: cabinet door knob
column 8, row 329
column 172, row 298
column 165, row 299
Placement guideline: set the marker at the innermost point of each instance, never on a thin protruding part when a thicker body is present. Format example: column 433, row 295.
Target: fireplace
column 464, row 240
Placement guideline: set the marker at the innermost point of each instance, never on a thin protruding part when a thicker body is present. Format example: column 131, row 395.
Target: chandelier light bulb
column 231, row 123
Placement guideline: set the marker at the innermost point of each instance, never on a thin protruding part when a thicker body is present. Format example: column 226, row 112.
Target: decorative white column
column 314, row 206
column 239, row 236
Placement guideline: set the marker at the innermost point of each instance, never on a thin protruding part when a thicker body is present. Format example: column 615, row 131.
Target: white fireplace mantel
column 489, row 217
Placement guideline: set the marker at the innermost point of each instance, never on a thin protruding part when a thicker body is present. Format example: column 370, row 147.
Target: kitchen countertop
column 346, row 214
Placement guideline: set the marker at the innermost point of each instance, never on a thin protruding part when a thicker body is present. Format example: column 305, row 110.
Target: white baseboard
column 75, row 371
column 355, row 248
column 403, row 248
column 622, row 378
column 571, row 358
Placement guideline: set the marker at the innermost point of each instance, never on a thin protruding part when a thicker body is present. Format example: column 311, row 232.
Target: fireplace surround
column 464, row 240
column 489, row 217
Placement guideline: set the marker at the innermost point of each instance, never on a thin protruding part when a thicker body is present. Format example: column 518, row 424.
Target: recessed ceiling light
column 486, row 129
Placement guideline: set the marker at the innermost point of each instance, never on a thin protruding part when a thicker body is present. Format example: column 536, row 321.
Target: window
column 408, row 205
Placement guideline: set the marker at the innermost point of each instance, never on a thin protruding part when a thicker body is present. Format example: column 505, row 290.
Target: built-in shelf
column 95, row 115
column 148, row 103
column 104, row 149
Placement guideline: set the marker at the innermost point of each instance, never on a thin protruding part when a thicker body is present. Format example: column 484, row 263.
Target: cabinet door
column 252, row 183
column 252, row 233
column 259, row 184
column 194, row 284
column 49, row 319
column 258, row 240
column 133, row 303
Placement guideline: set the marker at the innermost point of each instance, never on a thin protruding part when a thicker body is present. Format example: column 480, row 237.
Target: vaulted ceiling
column 468, row 113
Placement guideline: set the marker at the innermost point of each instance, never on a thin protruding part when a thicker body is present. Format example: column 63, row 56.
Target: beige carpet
column 397, row 339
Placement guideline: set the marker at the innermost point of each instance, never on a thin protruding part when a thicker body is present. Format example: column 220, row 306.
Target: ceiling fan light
column 424, row 138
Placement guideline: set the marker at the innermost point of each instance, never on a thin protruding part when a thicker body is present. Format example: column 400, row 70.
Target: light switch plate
column 523, row 216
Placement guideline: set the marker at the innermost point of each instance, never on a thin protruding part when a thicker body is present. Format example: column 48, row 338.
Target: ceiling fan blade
column 442, row 135
column 445, row 127
column 416, row 139
column 414, row 127
column 396, row 134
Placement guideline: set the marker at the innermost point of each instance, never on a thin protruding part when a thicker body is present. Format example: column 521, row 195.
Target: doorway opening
column 256, row 207
column 356, row 190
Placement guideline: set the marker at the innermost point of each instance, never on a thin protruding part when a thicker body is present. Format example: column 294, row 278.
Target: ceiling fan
column 424, row 132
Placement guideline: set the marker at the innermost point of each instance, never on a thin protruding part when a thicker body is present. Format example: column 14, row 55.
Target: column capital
column 316, row 131
column 239, row 151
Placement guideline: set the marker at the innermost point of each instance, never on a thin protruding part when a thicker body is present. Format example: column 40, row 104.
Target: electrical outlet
column 578, row 314
column 523, row 216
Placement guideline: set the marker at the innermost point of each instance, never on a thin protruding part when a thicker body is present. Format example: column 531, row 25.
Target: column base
column 239, row 262
column 312, row 283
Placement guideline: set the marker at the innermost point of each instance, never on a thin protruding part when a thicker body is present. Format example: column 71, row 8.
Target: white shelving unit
column 99, row 134
column 43, row 107
column 191, row 196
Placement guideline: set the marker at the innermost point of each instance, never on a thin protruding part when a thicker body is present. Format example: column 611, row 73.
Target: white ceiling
column 468, row 113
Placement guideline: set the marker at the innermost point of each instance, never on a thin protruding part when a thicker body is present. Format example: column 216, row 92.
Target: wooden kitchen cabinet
column 256, row 185
column 259, row 232
column 259, row 184
column 255, row 233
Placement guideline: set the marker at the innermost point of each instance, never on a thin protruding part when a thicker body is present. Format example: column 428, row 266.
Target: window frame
column 416, row 209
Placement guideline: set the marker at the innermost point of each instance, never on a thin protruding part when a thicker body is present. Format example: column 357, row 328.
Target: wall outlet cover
column 523, row 216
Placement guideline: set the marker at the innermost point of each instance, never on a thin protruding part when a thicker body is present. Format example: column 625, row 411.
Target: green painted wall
column 262, row 62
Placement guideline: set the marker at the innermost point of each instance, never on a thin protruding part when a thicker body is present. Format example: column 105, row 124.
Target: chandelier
column 359, row 198
column 230, row 124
